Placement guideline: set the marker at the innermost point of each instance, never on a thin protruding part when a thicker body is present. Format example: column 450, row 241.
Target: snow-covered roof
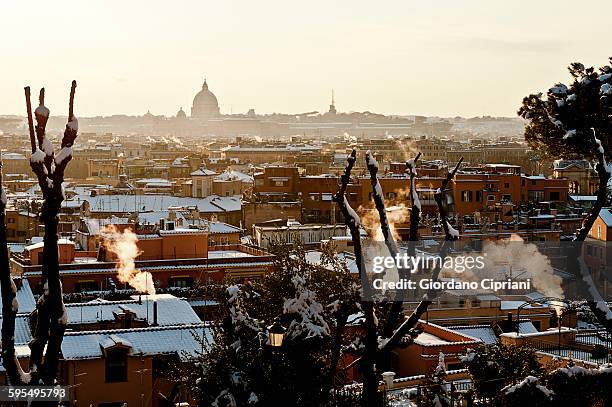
column 213, row 226
column 225, row 254
column 182, row 340
column 437, row 339
column 488, row 297
column 581, row 198
column 159, row 184
column 286, row 148
column 170, row 310
column 512, row 305
column 39, row 245
column 425, row 338
column 483, row 332
column 221, row 227
column 179, row 162
column 202, row 172
column 315, row 257
column 13, row 156
column 16, row 247
column 204, row 265
column 95, row 226
column 159, row 202
column 153, row 217
column 229, row 175
column 486, row 334
column 606, row 216
column 25, row 298
column 23, row 334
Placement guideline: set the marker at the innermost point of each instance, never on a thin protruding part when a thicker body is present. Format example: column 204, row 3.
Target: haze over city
column 308, row 204
column 444, row 58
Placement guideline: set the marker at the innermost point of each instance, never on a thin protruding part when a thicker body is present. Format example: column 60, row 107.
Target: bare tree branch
column 49, row 319
column 598, row 305
column 449, row 232
column 422, row 307
column 368, row 360
column 395, row 310
column 415, row 210
column 379, row 203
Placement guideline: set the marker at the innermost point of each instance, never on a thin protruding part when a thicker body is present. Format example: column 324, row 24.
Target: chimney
column 154, row 313
column 510, row 323
column 388, row 379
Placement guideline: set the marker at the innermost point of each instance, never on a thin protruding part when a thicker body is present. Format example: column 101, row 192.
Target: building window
column 88, row 285
column 490, row 198
column 506, row 185
column 507, row 198
column 536, row 196
column 555, row 196
column 466, row 196
column 279, row 183
column 116, row 365
column 574, row 187
column 181, row 282
column 599, row 231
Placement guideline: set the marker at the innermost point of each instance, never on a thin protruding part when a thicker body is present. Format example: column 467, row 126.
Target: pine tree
column 574, row 122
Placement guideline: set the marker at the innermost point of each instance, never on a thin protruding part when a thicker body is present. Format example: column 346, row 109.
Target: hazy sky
column 445, row 57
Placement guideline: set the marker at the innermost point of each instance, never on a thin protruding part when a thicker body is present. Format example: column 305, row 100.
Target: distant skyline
column 444, row 58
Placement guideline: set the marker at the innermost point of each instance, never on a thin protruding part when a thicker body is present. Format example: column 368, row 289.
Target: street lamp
column 276, row 334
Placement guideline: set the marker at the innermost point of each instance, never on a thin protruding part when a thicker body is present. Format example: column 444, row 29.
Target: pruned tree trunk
column 395, row 310
column 597, row 305
column 341, row 320
column 368, row 360
column 50, row 315
column 409, row 323
column 373, row 351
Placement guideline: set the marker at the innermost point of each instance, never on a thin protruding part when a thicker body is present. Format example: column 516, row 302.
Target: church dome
column 181, row 114
column 205, row 104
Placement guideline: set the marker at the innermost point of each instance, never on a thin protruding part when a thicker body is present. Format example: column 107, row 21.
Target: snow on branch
column 411, row 170
column 309, row 321
column 604, row 174
column 50, row 315
column 240, row 318
column 415, row 212
column 368, row 360
column 449, row 232
column 379, row 202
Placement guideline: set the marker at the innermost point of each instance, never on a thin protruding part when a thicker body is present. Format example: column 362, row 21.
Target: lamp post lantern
column 276, row 334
